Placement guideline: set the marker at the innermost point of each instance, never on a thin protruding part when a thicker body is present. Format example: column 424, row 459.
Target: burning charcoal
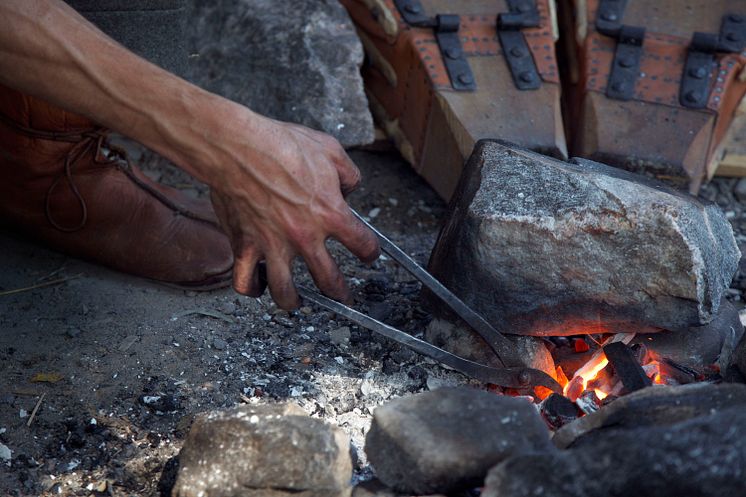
column 588, row 402
column 626, row 366
column 446, row 440
column 575, row 388
column 698, row 457
column 580, row 345
column 271, row 450
column 558, row 410
column 660, row 406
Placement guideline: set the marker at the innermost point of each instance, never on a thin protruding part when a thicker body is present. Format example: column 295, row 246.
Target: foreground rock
column 264, row 451
column 656, row 406
column 375, row 488
column 446, row 440
column 700, row 457
column 293, row 60
column 541, row 247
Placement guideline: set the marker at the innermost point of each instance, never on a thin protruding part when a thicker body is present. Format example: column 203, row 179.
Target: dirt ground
column 125, row 364
column 128, row 363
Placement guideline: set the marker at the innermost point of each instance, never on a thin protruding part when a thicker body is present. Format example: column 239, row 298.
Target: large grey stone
column 654, row 406
column 701, row 457
column 446, row 440
column 540, row 247
column 264, row 451
column 292, row 60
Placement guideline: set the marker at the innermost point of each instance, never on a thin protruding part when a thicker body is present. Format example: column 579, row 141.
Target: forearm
column 48, row 50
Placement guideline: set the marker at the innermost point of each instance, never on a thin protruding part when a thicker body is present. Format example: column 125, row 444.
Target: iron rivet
column 517, row 52
column 697, row 72
column 609, row 16
column 618, row 86
column 526, row 77
column 625, row 62
column 465, row 79
column 412, row 8
column 692, row 96
column 735, row 18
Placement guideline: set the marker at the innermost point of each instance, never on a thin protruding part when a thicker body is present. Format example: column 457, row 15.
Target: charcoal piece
column 588, row 402
column 558, row 410
column 655, row 406
column 625, row 364
column 446, row 440
column 264, row 451
column 543, row 247
column 700, row 457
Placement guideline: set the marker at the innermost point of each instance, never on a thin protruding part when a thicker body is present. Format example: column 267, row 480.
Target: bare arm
column 276, row 187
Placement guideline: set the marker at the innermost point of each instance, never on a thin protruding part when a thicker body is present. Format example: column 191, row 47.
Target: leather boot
column 64, row 185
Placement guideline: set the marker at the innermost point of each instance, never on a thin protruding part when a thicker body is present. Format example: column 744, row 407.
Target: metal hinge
column 523, row 14
column 700, row 61
column 625, row 68
column 446, row 28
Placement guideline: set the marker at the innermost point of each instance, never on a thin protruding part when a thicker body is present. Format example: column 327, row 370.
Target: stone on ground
column 294, row 60
column 701, row 456
column 461, row 340
column 374, row 488
column 446, row 440
column 655, row 406
column 264, row 451
column 541, row 247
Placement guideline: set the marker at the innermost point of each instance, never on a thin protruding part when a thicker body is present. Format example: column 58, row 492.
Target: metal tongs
column 513, row 373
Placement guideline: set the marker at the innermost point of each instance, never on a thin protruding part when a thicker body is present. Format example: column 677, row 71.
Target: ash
column 135, row 362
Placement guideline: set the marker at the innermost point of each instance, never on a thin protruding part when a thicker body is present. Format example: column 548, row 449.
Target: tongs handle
column 503, row 348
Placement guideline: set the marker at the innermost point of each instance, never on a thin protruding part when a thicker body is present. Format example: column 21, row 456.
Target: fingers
column 359, row 240
column 246, row 275
column 280, row 280
column 326, row 273
column 349, row 174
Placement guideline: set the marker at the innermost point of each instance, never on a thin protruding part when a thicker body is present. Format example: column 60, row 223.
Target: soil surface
column 119, row 366
column 127, row 363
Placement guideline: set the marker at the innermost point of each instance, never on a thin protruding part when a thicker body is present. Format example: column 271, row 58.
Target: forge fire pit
column 621, row 278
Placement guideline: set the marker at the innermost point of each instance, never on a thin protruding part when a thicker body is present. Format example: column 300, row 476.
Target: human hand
column 281, row 196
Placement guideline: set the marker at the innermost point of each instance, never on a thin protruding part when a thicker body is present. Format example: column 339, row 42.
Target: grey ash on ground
column 138, row 361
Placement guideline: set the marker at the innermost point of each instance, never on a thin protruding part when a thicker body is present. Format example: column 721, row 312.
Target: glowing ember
column 592, row 368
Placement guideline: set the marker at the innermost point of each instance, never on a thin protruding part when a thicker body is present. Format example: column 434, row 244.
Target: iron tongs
column 513, row 373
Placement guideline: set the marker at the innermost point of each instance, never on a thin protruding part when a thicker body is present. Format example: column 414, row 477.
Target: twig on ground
column 36, row 409
column 53, row 273
column 40, row 285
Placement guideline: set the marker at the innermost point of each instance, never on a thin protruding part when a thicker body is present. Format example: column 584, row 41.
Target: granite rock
column 655, row 406
column 293, row 60
column 446, row 440
column 544, row 247
column 699, row 457
column 264, row 451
